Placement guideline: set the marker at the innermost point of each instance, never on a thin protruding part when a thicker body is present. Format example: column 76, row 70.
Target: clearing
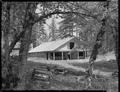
column 76, row 68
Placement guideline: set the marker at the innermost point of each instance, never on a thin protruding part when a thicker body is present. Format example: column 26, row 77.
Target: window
column 71, row 45
column 81, row 53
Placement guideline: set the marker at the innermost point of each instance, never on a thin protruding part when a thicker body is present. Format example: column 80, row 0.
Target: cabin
column 62, row 49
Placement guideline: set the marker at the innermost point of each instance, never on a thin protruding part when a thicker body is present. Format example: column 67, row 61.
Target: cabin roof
column 51, row 46
column 56, row 45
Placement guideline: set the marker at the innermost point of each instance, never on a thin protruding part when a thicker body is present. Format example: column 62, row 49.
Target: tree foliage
column 88, row 27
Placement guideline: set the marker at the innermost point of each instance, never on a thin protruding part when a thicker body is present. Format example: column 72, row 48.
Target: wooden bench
column 42, row 75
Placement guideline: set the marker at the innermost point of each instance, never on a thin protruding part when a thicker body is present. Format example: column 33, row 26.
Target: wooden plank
column 41, row 74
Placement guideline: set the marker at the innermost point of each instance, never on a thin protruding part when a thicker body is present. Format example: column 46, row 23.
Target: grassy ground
column 104, row 66
column 68, row 81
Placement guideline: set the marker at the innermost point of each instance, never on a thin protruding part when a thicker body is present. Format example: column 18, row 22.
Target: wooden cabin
column 62, row 49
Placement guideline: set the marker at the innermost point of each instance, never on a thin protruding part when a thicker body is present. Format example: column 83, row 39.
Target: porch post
column 70, row 56
column 48, row 56
column 62, row 55
column 78, row 54
column 86, row 53
column 53, row 55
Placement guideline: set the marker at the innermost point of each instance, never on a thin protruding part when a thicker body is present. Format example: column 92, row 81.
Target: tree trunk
column 115, row 36
column 24, row 48
column 97, row 45
column 6, row 64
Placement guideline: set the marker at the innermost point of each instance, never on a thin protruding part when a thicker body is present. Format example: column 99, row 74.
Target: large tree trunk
column 6, row 33
column 97, row 45
column 24, row 47
column 6, row 56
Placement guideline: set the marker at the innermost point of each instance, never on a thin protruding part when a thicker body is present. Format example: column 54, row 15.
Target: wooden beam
column 69, row 55
column 53, row 55
column 78, row 54
column 62, row 55
column 86, row 53
column 48, row 56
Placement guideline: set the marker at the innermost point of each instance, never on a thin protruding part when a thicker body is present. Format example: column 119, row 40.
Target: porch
column 66, row 55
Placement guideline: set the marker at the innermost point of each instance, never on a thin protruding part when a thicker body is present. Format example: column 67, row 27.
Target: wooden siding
column 41, row 55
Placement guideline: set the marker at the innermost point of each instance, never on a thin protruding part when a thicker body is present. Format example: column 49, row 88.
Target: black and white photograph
column 59, row 45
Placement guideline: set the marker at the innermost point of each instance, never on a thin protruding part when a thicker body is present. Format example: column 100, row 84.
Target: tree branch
column 63, row 12
column 17, row 38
